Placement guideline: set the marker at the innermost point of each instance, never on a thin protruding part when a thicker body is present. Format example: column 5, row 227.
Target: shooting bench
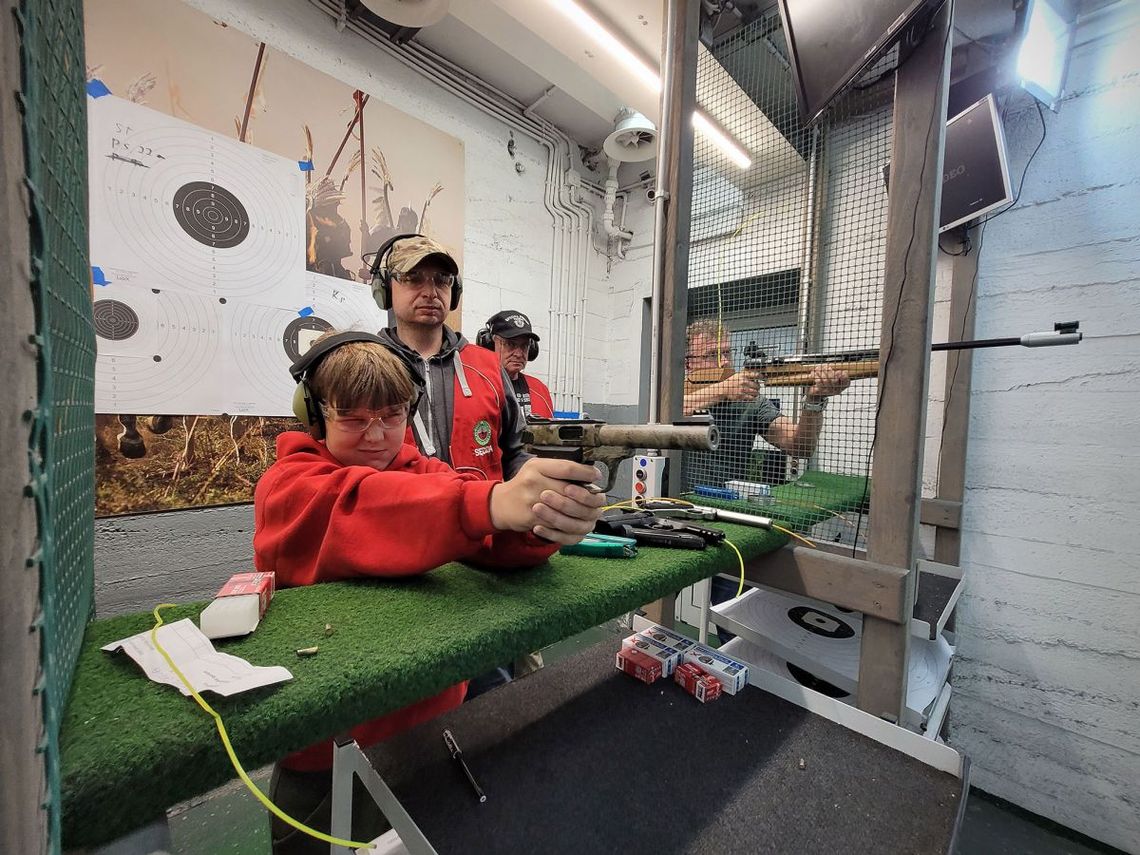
column 131, row 748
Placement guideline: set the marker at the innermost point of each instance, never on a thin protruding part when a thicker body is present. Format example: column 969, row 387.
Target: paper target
column 816, row 637
column 345, row 304
column 114, row 320
column 175, row 371
column 211, row 214
column 176, row 207
column 126, row 320
column 808, row 642
column 259, row 369
column 764, row 660
column 301, row 333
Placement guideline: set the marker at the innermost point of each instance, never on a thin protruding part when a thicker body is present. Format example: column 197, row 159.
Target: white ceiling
column 527, row 48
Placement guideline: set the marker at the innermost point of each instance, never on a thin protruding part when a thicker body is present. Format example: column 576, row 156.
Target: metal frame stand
column 349, row 760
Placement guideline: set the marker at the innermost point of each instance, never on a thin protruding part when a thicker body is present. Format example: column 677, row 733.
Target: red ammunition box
column 638, row 664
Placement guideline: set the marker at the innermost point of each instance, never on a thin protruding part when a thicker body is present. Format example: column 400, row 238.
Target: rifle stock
column 783, row 372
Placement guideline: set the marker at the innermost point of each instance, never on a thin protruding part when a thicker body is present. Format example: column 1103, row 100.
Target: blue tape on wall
column 96, row 88
column 305, row 165
column 305, row 312
column 97, row 277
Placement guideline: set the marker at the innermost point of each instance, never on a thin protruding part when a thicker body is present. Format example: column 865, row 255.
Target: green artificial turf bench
column 131, row 748
column 814, row 498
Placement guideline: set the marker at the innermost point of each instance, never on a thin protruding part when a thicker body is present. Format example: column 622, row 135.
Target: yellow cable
column 791, row 533
column 261, row 797
column 632, row 503
column 740, row 558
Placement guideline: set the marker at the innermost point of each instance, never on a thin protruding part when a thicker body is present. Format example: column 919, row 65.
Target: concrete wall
column 1047, row 682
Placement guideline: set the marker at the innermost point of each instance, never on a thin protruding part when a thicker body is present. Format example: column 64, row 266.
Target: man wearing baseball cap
column 468, row 418
column 509, row 334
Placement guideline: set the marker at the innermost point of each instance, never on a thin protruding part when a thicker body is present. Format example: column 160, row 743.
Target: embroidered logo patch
column 483, row 432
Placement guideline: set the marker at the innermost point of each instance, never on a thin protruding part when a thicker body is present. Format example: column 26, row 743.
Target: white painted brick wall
column 1047, row 682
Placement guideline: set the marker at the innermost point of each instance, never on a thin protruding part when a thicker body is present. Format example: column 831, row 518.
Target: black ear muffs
column 306, row 407
column 484, row 338
column 382, row 276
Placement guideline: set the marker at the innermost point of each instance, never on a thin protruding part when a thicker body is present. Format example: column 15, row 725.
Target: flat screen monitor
column 975, row 171
column 832, row 42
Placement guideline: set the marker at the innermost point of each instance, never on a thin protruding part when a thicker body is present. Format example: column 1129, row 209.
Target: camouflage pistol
column 590, row 441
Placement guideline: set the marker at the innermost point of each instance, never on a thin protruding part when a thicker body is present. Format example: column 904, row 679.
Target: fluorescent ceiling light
column 1044, row 54
column 648, row 76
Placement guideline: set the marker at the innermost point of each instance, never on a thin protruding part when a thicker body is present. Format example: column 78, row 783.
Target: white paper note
column 196, row 658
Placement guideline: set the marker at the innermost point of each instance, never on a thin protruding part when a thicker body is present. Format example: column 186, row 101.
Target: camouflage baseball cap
column 409, row 252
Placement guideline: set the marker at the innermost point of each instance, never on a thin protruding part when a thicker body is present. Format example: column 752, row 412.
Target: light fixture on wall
column 1043, row 58
column 648, row 76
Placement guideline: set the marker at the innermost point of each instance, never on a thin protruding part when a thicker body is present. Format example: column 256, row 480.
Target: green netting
column 61, row 455
column 785, row 259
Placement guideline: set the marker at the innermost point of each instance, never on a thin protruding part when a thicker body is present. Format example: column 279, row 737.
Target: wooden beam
column 956, row 410
column 873, row 589
column 662, row 611
column 671, row 229
column 908, row 296
column 942, row 513
column 675, row 180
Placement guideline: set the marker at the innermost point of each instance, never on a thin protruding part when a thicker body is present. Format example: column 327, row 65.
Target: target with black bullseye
column 301, row 333
column 180, row 371
column 211, row 214
column 818, row 646
column 114, row 320
column 177, row 207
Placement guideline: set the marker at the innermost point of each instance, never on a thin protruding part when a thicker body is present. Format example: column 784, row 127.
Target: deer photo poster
column 233, row 191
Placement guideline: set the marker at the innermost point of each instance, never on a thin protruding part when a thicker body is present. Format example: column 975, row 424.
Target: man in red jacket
column 468, row 417
column 340, row 501
column 509, row 334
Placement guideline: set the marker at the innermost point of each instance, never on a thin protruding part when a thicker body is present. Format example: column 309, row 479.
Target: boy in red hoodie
column 339, row 502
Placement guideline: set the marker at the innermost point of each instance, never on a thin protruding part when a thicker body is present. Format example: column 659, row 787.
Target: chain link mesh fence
column 786, row 262
column 61, row 455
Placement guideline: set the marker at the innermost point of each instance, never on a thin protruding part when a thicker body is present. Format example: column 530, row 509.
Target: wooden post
column 252, row 90
column 956, row 409
column 671, row 228
column 675, row 179
column 908, row 296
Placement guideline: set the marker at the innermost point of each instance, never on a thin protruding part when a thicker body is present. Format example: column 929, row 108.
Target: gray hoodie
column 434, row 416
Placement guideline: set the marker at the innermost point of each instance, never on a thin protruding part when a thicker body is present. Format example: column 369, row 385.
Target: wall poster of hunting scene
column 233, row 191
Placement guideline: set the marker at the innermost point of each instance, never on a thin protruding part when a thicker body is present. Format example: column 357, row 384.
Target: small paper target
column 301, row 333
column 829, row 626
column 114, row 320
